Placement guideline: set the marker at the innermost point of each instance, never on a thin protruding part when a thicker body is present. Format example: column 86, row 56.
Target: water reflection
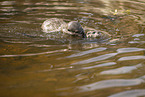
column 34, row 63
column 100, row 65
column 87, row 52
column 130, row 93
column 95, row 59
column 49, row 52
column 122, row 70
column 131, row 58
column 126, row 50
column 111, row 83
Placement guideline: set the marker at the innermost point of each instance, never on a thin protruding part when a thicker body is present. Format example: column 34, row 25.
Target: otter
column 72, row 28
column 58, row 25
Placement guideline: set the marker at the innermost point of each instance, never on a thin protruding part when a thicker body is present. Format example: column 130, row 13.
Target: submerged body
column 54, row 25
column 72, row 28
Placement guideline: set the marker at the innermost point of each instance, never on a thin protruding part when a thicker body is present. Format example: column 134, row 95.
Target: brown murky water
column 36, row 64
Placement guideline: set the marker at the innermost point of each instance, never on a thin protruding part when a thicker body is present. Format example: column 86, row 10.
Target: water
column 35, row 64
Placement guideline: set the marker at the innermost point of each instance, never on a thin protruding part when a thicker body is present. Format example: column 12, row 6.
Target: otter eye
column 70, row 30
column 94, row 32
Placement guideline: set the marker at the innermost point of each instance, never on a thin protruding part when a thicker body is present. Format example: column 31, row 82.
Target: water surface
column 37, row 64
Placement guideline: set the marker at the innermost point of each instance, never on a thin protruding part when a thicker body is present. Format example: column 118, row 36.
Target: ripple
column 26, row 22
column 138, row 35
column 95, row 59
column 106, row 56
column 9, row 14
column 100, row 65
column 34, row 54
column 130, row 93
column 8, row 9
column 126, row 50
column 8, row 2
column 111, row 83
column 131, row 58
column 122, row 70
column 86, row 65
column 22, row 42
column 87, row 52
column 43, row 45
column 139, row 42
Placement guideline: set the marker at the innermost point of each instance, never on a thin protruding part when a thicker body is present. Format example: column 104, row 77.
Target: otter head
column 76, row 29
